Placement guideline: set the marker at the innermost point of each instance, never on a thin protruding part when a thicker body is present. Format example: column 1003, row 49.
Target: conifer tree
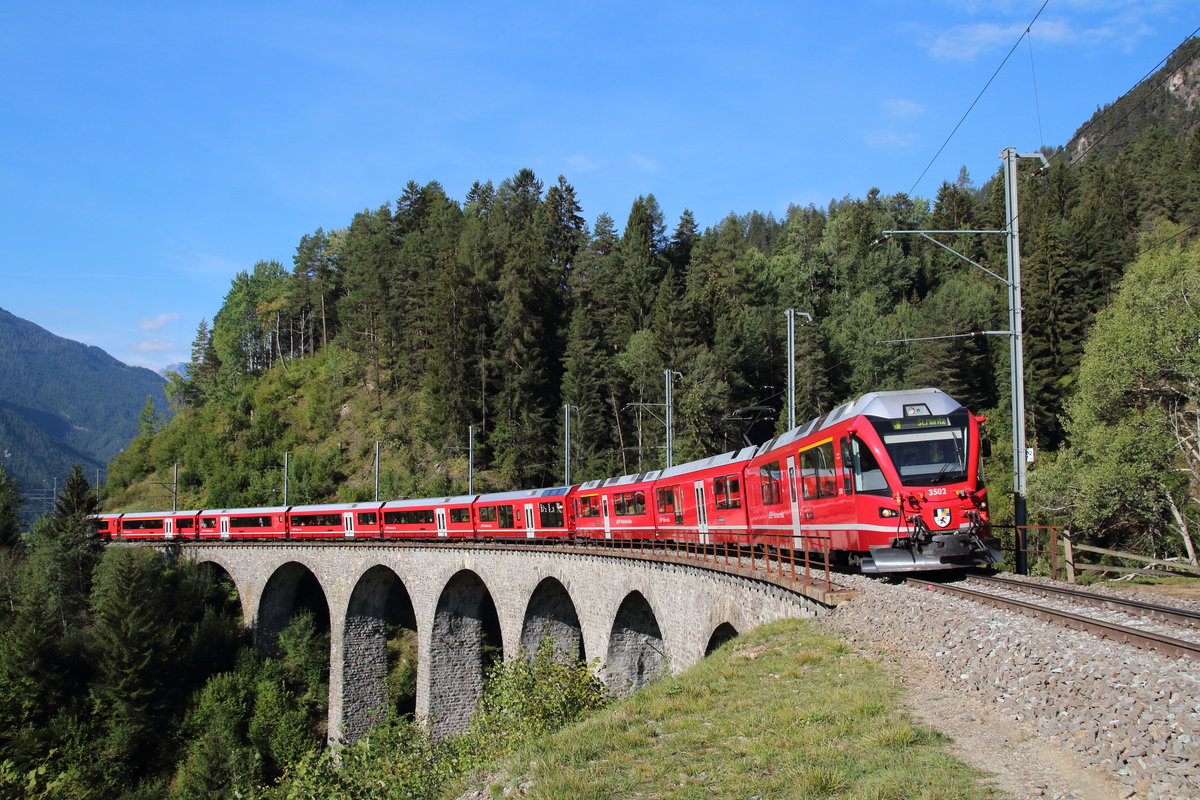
column 10, row 506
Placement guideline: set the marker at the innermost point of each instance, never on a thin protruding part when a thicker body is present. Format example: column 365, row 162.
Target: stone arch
column 636, row 653
column 379, row 599
column 466, row 637
column 291, row 588
column 218, row 572
column 720, row 636
column 551, row 612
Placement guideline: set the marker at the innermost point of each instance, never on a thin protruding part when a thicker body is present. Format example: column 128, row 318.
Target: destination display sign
column 920, row 422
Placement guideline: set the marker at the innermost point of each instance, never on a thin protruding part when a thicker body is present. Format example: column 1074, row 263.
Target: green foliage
column 1132, row 473
column 10, row 506
column 525, row 698
column 535, row 694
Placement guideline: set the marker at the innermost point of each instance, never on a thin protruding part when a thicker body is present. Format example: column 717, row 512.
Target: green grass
column 783, row 712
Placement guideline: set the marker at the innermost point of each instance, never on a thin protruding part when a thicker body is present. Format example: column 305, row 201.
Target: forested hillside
column 64, row 403
column 422, row 317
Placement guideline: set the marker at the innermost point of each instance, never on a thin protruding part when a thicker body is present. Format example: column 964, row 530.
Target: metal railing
column 781, row 558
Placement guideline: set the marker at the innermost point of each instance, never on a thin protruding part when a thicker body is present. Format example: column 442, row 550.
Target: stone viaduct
column 636, row 616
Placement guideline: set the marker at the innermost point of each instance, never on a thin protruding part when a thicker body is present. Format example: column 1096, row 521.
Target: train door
column 168, row 528
column 224, row 527
column 794, row 499
column 440, row 515
column 348, row 523
column 530, row 527
column 701, row 513
column 607, row 518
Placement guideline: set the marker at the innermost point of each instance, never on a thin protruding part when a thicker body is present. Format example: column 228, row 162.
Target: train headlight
column 888, row 513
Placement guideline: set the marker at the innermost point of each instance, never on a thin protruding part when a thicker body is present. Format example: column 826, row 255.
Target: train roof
column 462, row 499
column 338, row 506
column 526, row 494
column 623, row 480
column 153, row 514
column 889, row 405
column 247, row 511
column 732, row 457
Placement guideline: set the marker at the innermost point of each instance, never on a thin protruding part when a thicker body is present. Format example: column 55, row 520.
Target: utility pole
column 667, row 376
column 567, row 442
column 286, row 459
column 376, row 470
column 791, row 315
column 471, row 458
column 1016, row 348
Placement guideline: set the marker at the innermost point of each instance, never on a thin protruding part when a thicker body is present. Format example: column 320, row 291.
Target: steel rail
column 1177, row 616
column 1108, row 630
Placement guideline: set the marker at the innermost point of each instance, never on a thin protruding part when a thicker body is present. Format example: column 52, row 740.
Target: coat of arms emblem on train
column 941, row 517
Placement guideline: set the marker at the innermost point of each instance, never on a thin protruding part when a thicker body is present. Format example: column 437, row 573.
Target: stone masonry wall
column 687, row 603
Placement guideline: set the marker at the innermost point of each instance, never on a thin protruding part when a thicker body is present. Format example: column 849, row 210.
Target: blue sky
column 149, row 151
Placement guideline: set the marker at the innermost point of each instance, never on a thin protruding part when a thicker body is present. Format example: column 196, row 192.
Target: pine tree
column 10, row 506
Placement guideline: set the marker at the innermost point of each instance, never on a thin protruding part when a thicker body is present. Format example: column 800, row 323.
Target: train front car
column 927, row 449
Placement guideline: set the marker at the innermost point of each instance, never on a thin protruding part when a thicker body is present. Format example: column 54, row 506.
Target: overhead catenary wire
column 1083, row 131
column 975, row 102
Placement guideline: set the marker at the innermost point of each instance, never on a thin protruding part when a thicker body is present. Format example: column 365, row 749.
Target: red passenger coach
column 703, row 501
column 348, row 520
column 107, row 526
column 526, row 513
column 616, row 508
column 244, row 523
column 429, row 517
column 154, row 525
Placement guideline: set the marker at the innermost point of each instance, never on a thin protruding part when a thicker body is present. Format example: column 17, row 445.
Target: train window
column 487, row 513
column 868, row 477
column 101, row 524
column 419, row 516
column 208, row 523
column 847, row 467
column 551, row 514
column 141, row 524
column 817, row 477
column 627, row 504
column 589, row 506
column 769, row 474
column 185, row 523
column 506, row 516
column 316, row 520
column 666, row 501
column 366, row 518
column 460, row 515
column 250, row 522
column 728, row 492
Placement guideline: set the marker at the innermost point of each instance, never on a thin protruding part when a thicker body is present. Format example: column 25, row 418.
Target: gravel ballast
column 1130, row 715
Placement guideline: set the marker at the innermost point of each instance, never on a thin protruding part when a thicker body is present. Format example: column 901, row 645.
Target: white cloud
column 899, row 107
column 890, row 139
column 582, row 163
column 153, row 346
column 154, row 323
column 646, row 164
column 965, row 42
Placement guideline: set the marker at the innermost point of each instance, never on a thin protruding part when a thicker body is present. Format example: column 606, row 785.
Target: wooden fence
column 1065, row 556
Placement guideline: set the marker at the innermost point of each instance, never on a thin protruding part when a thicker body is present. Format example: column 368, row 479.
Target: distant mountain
column 1168, row 99
column 181, row 368
column 64, row 403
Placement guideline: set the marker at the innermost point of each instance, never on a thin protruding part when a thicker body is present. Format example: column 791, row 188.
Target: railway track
column 998, row 592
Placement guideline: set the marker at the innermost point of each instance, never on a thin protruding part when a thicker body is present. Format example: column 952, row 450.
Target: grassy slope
column 781, row 712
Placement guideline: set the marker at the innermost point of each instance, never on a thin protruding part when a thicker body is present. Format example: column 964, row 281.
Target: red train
column 891, row 482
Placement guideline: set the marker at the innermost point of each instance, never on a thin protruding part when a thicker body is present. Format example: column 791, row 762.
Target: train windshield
column 927, row 451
